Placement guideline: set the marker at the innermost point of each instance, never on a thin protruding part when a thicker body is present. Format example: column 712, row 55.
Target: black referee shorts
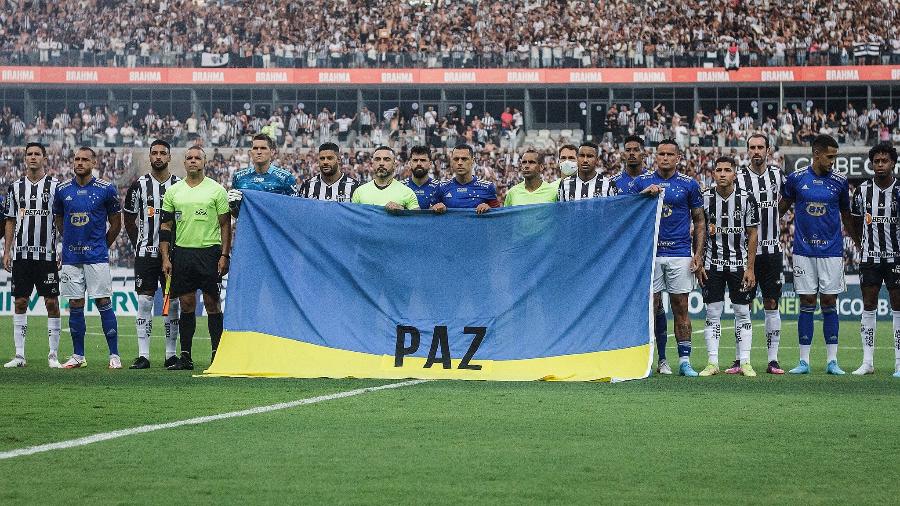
column 716, row 281
column 195, row 269
column 148, row 275
column 769, row 272
column 875, row 273
column 30, row 274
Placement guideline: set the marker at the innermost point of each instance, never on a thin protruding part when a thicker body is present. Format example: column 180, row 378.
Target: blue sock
column 110, row 327
column 684, row 349
column 830, row 324
column 661, row 336
column 77, row 327
column 805, row 324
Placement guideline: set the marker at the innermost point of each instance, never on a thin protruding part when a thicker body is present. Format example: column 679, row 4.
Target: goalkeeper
column 263, row 176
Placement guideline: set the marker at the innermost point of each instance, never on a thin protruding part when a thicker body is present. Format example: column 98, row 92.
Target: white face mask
column 568, row 167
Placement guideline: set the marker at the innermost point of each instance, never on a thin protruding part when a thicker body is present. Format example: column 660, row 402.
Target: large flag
column 540, row 292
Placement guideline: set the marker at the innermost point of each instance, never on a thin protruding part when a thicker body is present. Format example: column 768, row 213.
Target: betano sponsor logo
column 206, row 76
column 704, row 76
column 523, row 76
column 81, row 75
column 271, row 77
column 145, row 76
column 777, row 75
column 649, row 77
column 842, row 75
column 396, row 77
column 17, row 75
column 334, row 77
column 586, row 77
column 459, row 77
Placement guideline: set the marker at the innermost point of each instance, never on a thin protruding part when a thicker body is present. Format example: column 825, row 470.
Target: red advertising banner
column 275, row 76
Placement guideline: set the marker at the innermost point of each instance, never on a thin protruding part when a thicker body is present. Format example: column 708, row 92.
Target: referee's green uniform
column 198, row 241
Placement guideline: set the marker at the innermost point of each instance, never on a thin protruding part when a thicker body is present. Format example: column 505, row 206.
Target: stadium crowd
column 449, row 33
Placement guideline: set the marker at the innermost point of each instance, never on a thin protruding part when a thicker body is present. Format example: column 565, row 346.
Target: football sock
column 684, row 352
column 188, row 324
column 743, row 331
column 20, row 330
column 110, row 327
column 805, row 330
column 144, row 324
column 713, row 331
column 77, row 327
column 172, row 327
column 773, row 333
column 867, row 333
column 659, row 329
column 53, row 327
column 896, row 317
column 214, row 323
column 830, row 325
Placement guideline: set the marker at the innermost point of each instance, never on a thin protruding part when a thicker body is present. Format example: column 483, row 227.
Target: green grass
column 808, row 440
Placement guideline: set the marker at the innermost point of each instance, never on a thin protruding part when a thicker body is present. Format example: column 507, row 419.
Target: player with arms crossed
column 330, row 183
column 383, row 189
column 143, row 209
column 425, row 188
column 875, row 208
column 674, row 265
column 82, row 207
column 198, row 208
column 29, row 252
column 732, row 217
column 465, row 190
column 821, row 201
column 263, row 176
column 764, row 183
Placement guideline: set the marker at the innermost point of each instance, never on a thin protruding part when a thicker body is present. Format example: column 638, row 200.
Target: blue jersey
column 681, row 194
column 818, row 202
column 84, row 211
column 427, row 193
column 276, row 180
column 623, row 180
column 469, row 195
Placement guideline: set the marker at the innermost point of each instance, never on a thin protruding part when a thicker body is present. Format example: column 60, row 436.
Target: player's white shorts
column 818, row 275
column 93, row 279
column 672, row 275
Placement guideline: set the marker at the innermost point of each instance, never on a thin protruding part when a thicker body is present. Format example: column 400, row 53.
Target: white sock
column 773, row 333
column 867, row 333
column 713, row 331
column 831, row 349
column 172, row 327
column 144, row 324
column 20, row 330
column 804, row 352
column 53, row 326
column 896, row 315
column 744, row 331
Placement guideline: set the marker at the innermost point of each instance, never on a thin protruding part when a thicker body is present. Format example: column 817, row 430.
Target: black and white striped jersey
column 727, row 220
column 144, row 199
column 765, row 188
column 340, row 191
column 574, row 188
column 31, row 205
column 879, row 210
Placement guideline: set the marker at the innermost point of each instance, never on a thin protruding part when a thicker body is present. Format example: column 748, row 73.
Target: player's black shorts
column 148, row 275
column 876, row 273
column 30, row 274
column 195, row 269
column 769, row 272
column 716, row 281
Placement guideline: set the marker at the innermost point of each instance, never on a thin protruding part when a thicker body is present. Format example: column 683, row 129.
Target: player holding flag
column 82, row 207
column 822, row 201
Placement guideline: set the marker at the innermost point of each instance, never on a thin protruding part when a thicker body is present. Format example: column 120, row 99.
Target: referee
column 198, row 206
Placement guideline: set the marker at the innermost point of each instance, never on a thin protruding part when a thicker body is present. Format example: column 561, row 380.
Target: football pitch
column 807, row 440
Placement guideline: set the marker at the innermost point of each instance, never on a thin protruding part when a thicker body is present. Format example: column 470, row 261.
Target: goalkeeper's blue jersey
column 681, row 194
column 818, row 202
column 276, row 180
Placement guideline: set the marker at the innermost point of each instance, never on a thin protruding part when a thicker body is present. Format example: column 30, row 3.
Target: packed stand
column 448, row 33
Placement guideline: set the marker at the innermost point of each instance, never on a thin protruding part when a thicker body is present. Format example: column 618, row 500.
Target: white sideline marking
column 106, row 436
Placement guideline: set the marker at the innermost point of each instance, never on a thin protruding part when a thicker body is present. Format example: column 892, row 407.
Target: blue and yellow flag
column 540, row 292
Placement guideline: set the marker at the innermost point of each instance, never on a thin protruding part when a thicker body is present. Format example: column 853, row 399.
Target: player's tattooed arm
column 699, row 241
column 783, row 205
